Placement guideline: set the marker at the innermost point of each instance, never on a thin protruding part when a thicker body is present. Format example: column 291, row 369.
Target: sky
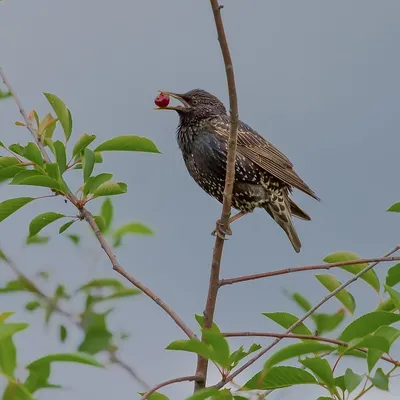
column 317, row 79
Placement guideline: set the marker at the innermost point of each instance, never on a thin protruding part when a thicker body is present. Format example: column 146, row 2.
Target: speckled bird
column 264, row 177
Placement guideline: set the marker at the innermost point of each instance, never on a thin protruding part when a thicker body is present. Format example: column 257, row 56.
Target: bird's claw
column 221, row 231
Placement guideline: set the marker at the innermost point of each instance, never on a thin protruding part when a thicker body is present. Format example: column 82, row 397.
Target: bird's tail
column 298, row 212
column 281, row 210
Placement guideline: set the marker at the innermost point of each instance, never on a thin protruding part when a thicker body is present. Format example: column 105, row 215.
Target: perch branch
column 90, row 220
column 169, row 382
column 75, row 321
column 202, row 363
column 246, row 278
column 301, row 320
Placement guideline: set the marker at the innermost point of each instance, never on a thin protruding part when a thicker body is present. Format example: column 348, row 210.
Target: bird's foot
column 221, row 231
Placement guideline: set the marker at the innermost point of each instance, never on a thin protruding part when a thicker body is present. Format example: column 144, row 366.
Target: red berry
column 162, row 100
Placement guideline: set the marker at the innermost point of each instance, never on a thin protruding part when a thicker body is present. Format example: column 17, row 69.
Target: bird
column 264, row 176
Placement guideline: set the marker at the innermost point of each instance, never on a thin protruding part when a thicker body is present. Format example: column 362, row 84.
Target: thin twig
column 90, row 220
column 246, row 278
column 202, row 363
column 301, row 320
column 303, row 337
column 169, row 382
column 74, row 320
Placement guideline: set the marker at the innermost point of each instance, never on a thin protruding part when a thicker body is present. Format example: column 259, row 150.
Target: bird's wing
column 263, row 153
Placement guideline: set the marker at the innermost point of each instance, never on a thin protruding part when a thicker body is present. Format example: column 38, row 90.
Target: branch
column 301, row 320
column 35, row 289
column 202, row 363
column 302, row 337
column 246, row 278
column 170, row 382
column 90, row 220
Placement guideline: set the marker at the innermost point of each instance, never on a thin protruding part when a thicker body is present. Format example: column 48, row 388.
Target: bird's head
column 196, row 104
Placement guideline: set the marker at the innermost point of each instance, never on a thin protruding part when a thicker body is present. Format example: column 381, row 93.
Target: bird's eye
column 194, row 102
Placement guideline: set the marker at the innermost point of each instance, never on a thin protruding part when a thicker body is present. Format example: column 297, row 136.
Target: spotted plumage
column 264, row 177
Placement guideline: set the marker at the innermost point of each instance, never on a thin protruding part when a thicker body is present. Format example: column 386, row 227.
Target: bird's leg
column 219, row 229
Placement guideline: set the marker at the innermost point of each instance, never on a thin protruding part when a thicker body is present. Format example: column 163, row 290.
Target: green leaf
column 101, row 283
column 19, row 285
column 24, row 174
column 394, row 207
column 74, row 238
column 321, row 368
column 394, row 295
column 380, row 380
column 351, row 380
column 62, row 112
column 94, row 182
column 391, row 335
column 8, row 330
column 296, row 350
column 88, row 164
column 331, row 283
column 280, row 377
column 136, row 228
column 5, row 315
column 9, row 207
column 32, row 153
column 203, row 394
column 8, row 356
column 339, row 382
column 66, row 226
column 107, row 212
column 38, row 378
column 220, row 346
column 286, row 320
column 38, row 180
column 41, row 221
column 193, row 346
column 81, row 144
column 328, row 322
column 53, row 170
column 370, row 342
column 110, row 188
column 80, row 358
column 156, row 396
column 386, row 305
column 61, row 155
column 240, row 354
column 200, row 321
column 32, row 305
column 8, row 161
column 368, row 323
column 37, row 239
column 63, row 333
column 4, row 95
column 302, row 302
column 128, row 143
column 100, row 222
column 393, row 276
column 97, row 337
column 10, row 172
column 17, row 391
column 370, row 277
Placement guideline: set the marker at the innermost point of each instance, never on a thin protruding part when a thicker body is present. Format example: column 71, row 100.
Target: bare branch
column 302, row 337
column 90, row 220
column 301, row 320
column 285, row 271
column 170, row 382
column 75, row 321
column 202, row 364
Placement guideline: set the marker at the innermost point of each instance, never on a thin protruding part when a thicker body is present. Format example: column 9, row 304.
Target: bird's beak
column 176, row 96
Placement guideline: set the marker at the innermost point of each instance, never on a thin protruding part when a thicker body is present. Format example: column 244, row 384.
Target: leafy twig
column 246, row 278
column 75, row 321
column 90, row 220
column 303, row 337
column 169, row 382
column 301, row 320
column 202, row 363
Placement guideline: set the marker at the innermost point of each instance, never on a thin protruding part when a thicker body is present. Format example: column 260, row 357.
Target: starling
column 264, row 177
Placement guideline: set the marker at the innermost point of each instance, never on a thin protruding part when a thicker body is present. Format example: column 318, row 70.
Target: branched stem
column 246, row 278
column 169, row 382
column 202, row 364
column 90, row 220
column 74, row 320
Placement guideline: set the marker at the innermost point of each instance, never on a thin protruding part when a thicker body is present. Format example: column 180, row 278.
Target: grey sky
column 318, row 79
